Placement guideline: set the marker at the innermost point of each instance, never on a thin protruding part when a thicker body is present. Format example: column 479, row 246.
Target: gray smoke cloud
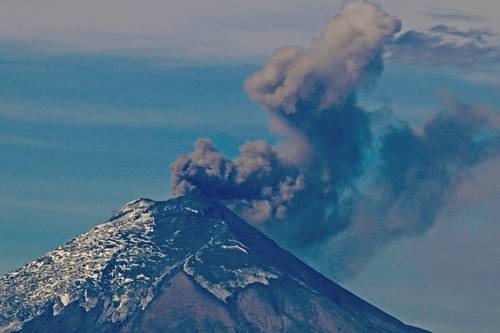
column 311, row 95
column 345, row 55
column 341, row 183
column 260, row 184
column 416, row 174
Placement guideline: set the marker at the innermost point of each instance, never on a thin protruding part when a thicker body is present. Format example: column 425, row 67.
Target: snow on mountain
column 183, row 265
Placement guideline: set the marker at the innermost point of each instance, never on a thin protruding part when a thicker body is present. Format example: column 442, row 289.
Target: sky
column 97, row 99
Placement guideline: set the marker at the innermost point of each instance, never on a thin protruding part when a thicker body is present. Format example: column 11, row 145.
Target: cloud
column 192, row 30
column 454, row 15
column 418, row 173
column 344, row 181
column 21, row 141
column 458, row 17
column 443, row 45
column 347, row 52
column 173, row 28
column 46, row 205
column 80, row 114
column 490, row 79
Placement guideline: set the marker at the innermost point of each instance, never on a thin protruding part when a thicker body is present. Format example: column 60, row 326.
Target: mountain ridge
column 121, row 277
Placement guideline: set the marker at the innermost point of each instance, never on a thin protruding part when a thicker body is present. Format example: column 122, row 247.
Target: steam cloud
column 341, row 184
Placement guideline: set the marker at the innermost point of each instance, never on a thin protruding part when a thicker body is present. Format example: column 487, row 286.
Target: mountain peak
column 118, row 272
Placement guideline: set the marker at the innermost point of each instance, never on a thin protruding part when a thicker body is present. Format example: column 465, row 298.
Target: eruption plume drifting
column 338, row 187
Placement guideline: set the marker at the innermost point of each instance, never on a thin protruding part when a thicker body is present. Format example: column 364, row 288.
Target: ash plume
column 416, row 174
column 260, row 185
column 340, row 184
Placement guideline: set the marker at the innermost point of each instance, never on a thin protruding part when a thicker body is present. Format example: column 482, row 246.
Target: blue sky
column 91, row 119
column 104, row 128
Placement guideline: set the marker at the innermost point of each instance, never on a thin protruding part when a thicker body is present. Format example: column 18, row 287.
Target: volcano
column 183, row 265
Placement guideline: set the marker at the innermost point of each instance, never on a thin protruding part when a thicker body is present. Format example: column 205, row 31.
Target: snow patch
column 234, row 247
column 192, row 210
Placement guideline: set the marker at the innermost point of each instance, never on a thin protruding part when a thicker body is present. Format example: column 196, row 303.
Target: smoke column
column 339, row 185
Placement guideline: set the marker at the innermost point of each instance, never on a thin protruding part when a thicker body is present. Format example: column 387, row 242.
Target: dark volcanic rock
column 184, row 265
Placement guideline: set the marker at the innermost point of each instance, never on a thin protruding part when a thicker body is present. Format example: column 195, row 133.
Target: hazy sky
column 214, row 29
column 97, row 98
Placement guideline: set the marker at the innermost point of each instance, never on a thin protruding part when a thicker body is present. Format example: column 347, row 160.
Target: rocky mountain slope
column 183, row 265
